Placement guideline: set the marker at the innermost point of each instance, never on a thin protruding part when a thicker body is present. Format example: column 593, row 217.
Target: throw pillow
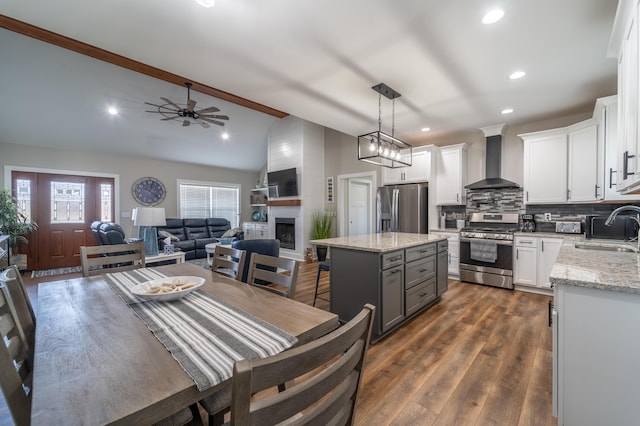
column 231, row 232
column 166, row 234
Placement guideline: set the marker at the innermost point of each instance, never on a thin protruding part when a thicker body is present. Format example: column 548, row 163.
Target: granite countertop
column 600, row 269
column 386, row 241
column 444, row 230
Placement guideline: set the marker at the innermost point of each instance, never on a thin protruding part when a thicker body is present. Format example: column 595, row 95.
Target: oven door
column 502, row 266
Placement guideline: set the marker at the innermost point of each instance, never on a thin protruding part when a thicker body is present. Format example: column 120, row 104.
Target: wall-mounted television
column 283, row 183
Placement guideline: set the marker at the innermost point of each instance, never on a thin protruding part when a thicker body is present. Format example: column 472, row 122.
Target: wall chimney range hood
column 492, row 180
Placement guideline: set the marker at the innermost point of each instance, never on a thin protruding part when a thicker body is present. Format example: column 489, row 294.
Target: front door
column 63, row 206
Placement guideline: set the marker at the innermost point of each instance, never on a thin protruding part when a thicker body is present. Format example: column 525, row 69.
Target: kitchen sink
column 607, row 247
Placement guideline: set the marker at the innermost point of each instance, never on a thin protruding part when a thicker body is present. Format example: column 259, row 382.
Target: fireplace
column 286, row 232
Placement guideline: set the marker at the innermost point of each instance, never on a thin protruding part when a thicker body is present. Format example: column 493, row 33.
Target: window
column 209, row 199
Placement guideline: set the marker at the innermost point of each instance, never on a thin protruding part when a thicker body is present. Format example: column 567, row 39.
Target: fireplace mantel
column 284, row 203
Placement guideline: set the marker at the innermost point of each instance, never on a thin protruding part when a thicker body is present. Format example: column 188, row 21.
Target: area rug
column 55, row 271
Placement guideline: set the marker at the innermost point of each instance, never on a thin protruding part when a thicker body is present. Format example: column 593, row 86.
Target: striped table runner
column 204, row 334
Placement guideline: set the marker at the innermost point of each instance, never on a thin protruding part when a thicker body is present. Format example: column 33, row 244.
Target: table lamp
column 147, row 218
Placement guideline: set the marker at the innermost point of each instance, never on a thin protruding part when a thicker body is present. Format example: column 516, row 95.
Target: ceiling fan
column 187, row 112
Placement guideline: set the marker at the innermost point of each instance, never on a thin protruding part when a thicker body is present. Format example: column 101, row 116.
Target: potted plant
column 321, row 228
column 13, row 222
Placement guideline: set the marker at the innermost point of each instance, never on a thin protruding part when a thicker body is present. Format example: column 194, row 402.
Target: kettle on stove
column 528, row 223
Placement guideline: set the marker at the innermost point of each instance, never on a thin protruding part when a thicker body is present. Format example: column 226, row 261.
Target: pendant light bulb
column 206, row 3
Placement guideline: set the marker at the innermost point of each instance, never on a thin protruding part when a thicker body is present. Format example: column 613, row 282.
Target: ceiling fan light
column 206, row 3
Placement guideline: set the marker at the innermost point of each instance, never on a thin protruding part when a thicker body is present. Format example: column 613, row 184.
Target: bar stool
column 322, row 266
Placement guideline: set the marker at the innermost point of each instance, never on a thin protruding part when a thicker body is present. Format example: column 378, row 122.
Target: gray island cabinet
column 400, row 273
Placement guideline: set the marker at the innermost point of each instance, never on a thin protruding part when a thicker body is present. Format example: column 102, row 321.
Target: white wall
column 129, row 169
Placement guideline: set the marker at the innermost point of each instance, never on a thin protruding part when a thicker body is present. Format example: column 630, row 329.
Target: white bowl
column 144, row 290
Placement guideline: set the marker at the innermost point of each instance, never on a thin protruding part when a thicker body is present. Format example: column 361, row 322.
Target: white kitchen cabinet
column 606, row 115
column 596, row 346
column 584, row 171
column 534, row 259
column 451, row 175
column 624, row 46
column 548, row 249
column 545, row 166
column 525, row 270
column 419, row 171
column 453, row 255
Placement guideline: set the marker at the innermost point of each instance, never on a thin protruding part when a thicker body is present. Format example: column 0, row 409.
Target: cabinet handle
column 611, row 172
column 449, row 258
column 395, row 271
column 625, row 165
column 457, row 198
column 550, row 313
column 517, row 252
column 527, row 195
column 568, row 194
column 542, row 245
column 393, row 259
column 422, row 270
column 422, row 295
column 597, row 191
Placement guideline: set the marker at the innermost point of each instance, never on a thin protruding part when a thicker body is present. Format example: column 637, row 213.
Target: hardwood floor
column 480, row 356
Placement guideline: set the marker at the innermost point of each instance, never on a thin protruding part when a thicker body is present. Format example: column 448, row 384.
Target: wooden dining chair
column 228, row 261
column 16, row 361
column 97, row 260
column 12, row 279
column 328, row 372
column 277, row 271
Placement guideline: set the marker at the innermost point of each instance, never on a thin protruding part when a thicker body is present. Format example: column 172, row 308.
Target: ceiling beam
column 104, row 55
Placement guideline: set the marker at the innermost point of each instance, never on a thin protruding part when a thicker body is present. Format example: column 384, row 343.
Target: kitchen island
column 596, row 335
column 401, row 274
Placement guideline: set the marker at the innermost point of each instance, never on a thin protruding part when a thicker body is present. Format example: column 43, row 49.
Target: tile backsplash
column 510, row 200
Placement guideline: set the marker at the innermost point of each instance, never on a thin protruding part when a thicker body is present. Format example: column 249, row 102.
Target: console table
column 177, row 256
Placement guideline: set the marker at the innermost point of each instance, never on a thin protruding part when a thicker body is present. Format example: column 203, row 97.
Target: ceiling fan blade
column 167, row 118
column 208, row 110
column 219, row 123
column 186, row 123
column 170, row 102
column 219, row 117
column 191, row 104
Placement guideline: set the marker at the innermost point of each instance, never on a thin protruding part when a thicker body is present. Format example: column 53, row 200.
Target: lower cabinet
column 399, row 283
column 534, row 259
column 255, row 230
column 596, row 350
column 453, row 255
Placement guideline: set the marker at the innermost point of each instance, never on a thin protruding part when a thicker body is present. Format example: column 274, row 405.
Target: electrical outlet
column 547, row 217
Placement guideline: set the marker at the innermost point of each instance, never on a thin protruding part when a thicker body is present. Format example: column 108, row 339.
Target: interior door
column 359, row 207
column 63, row 206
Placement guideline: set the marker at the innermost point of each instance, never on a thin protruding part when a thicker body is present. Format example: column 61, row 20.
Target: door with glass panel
column 63, row 206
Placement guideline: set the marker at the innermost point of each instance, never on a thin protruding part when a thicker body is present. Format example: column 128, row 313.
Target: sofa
column 194, row 234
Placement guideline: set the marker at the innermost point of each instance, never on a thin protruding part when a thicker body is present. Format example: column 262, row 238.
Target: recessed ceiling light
column 206, row 3
column 425, row 129
column 112, row 110
column 493, row 16
column 516, row 75
column 225, row 136
column 506, row 111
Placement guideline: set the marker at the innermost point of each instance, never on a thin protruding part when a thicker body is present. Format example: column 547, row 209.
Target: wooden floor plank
column 482, row 354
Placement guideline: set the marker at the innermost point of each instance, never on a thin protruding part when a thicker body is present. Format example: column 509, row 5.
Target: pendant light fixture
column 380, row 148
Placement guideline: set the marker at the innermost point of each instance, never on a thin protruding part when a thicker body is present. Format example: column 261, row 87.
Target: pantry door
column 63, row 206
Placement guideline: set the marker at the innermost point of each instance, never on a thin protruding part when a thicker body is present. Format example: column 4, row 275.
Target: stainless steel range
column 486, row 249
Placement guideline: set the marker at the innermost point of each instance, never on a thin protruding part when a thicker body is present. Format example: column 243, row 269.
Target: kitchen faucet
column 612, row 218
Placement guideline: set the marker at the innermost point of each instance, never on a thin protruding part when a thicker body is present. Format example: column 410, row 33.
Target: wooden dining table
column 97, row 363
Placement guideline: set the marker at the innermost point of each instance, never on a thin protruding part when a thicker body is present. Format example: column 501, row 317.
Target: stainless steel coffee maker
column 528, row 223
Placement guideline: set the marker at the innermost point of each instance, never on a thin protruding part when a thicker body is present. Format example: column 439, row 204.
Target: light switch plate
column 547, row 216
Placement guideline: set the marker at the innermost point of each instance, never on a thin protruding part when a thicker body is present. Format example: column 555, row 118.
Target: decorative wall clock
column 148, row 191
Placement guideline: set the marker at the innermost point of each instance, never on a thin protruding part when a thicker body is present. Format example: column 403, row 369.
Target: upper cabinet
column 606, row 114
column 451, row 175
column 575, row 164
column 584, row 171
column 545, row 166
column 624, row 46
column 419, row 171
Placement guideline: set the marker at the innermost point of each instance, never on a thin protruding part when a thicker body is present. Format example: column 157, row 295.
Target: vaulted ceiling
column 313, row 60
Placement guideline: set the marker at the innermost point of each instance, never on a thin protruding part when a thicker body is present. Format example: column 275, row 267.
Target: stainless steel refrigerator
column 403, row 208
